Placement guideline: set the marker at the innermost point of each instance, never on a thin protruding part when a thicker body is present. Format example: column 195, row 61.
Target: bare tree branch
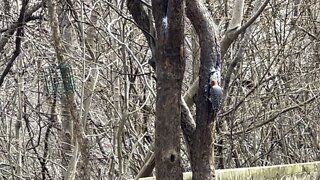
column 10, row 31
column 19, row 36
column 232, row 34
column 274, row 116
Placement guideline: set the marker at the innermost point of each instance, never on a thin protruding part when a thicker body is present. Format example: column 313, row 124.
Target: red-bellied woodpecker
column 215, row 95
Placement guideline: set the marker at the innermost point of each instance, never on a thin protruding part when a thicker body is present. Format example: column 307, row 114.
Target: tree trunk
column 202, row 139
column 66, row 121
column 170, row 65
column 81, row 139
column 201, row 152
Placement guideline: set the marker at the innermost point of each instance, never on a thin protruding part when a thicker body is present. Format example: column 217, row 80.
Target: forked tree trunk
column 200, row 137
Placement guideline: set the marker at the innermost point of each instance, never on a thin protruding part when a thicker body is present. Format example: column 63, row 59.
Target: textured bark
column 205, row 29
column 170, row 67
column 201, row 147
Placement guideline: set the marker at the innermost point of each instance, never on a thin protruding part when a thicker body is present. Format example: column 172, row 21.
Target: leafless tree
column 105, row 128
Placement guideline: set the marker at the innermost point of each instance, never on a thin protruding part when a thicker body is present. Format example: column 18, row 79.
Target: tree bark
column 201, row 151
column 170, row 67
column 210, row 54
column 67, row 133
column 141, row 17
column 81, row 140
